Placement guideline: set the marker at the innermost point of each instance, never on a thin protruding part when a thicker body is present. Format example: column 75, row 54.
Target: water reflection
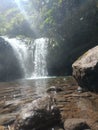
column 24, row 88
column 40, row 86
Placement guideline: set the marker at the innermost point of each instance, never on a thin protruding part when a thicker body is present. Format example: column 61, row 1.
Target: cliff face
column 80, row 33
column 9, row 65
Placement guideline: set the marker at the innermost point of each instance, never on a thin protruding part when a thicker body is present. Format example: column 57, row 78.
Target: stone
column 39, row 120
column 39, row 114
column 85, row 70
column 54, row 89
column 75, row 124
column 9, row 122
column 79, row 89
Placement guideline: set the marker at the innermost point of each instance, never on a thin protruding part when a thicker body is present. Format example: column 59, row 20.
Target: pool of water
column 15, row 94
column 28, row 87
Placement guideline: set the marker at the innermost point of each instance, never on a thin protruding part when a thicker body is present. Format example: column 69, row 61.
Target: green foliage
column 56, row 19
column 70, row 26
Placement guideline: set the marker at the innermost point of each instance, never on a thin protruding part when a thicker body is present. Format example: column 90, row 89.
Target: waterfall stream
column 32, row 57
column 40, row 57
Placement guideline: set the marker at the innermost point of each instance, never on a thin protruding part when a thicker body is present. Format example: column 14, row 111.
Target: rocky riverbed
column 47, row 104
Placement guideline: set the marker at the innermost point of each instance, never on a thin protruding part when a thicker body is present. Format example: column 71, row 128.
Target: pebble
column 79, row 89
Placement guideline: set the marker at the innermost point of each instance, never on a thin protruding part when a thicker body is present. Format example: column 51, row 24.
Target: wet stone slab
column 47, row 102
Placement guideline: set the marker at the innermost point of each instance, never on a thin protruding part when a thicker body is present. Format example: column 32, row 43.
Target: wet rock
column 9, row 122
column 54, row 89
column 8, row 109
column 40, row 114
column 57, row 128
column 76, row 124
column 79, row 89
column 41, row 119
column 85, row 70
column 9, row 66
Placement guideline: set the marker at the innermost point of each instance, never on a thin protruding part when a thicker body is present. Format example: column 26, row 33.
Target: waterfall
column 40, row 57
column 32, row 57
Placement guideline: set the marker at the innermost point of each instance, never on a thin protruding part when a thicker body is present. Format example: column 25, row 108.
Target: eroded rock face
column 9, row 65
column 85, row 70
column 76, row 38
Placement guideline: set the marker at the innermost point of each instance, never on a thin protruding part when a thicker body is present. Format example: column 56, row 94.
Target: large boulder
column 85, row 70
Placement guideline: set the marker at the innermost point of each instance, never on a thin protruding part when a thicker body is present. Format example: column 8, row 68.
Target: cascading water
column 32, row 57
column 40, row 57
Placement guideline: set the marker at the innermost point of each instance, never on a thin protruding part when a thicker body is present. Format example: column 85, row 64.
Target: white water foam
column 32, row 58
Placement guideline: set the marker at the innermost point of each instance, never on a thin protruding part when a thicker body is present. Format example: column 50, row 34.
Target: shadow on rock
column 41, row 119
column 76, row 124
